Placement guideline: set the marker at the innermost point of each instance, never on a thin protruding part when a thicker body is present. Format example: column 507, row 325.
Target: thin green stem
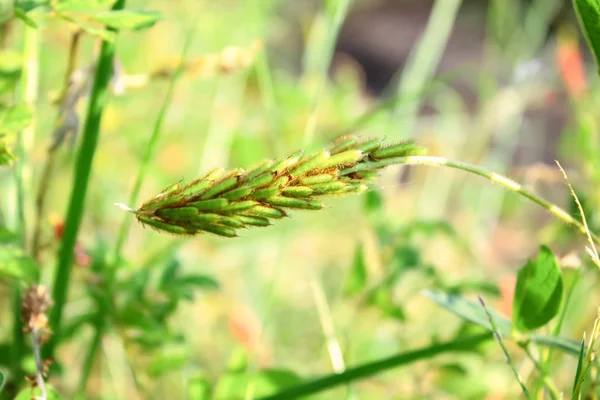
column 370, row 369
column 502, row 180
column 83, row 167
column 23, row 182
column 498, row 337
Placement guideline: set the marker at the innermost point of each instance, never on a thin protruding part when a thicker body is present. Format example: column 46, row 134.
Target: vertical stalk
column 22, row 182
column 81, row 177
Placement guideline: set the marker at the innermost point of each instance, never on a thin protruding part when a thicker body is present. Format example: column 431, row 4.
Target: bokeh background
column 505, row 84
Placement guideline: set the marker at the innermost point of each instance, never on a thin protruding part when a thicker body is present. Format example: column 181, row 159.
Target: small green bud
column 329, row 187
column 238, row 193
column 263, row 193
column 160, row 202
column 177, row 214
column 232, row 222
column 370, row 145
column 347, row 157
column 408, row 148
column 261, row 180
column 253, row 220
column 210, row 205
column 163, row 226
column 289, row 202
column 267, row 212
column 343, row 144
column 220, row 187
column 312, row 162
column 240, row 206
column 217, row 230
column 297, row 191
column 311, row 180
column 204, row 219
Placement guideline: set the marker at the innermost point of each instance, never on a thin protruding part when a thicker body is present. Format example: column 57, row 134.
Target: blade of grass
column 423, row 61
column 100, row 321
column 319, row 52
column 498, row 337
column 83, row 167
column 373, row 368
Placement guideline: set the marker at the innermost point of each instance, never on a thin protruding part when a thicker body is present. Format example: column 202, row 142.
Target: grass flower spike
column 222, row 202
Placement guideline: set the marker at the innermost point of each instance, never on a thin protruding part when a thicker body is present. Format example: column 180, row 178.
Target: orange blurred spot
column 507, row 292
column 570, row 65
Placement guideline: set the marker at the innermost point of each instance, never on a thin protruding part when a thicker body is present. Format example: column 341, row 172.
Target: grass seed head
column 223, row 202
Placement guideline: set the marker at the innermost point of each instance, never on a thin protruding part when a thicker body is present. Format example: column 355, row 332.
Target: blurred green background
column 485, row 82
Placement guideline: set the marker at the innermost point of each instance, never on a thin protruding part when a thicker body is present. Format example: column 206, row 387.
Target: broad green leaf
column 578, row 378
column 357, row 279
column 588, row 12
column 15, row 264
column 538, row 293
column 1, row 381
column 473, row 312
column 168, row 359
column 92, row 30
column 14, row 119
column 29, row 393
column 469, row 310
column 127, row 19
column 7, row 236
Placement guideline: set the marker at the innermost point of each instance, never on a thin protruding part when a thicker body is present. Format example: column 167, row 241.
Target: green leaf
column 196, row 281
column 90, row 29
column 383, row 299
column 14, row 119
column 357, row 280
column 578, row 378
column 6, row 156
column 538, row 293
column 469, row 310
column 15, row 264
column 20, row 14
column 11, row 63
column 28, row 394
column 473, row 312
column 373, row 368
column 373, row 202
column 127, row 19
column 28, row 5
column 2, row 381
column 588, row 12
column 199, row 387
column 234, row 386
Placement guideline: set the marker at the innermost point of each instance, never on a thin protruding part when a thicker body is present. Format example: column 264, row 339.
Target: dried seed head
column 35, row 303
column 222, row 202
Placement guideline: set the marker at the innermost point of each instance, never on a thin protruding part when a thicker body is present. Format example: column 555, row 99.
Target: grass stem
column 91, row 130
column 503, row 181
